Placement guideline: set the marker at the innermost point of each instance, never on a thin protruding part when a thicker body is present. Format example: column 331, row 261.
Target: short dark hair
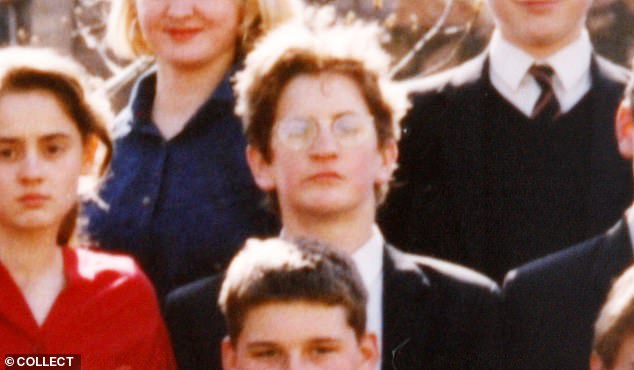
column 616, row 319
column 29, row 68
column 274, row 271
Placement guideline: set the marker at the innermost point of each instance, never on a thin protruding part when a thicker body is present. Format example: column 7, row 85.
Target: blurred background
column 447, row 31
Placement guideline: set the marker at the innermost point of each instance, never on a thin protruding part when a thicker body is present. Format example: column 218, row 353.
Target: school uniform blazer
column 550, row 305
column 436, row 315
column 437, row 206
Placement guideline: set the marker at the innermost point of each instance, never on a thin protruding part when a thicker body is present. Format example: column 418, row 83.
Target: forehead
column 321, row 94
column 295, row 322
column 18, row 118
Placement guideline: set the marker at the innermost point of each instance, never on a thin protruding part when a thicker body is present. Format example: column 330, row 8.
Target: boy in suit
column 511, row 155
column 295, row 305
column 551, row 303
column 321, row 119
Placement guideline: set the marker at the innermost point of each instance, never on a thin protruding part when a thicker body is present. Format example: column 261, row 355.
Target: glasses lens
column 296, row 132
column 351, row 129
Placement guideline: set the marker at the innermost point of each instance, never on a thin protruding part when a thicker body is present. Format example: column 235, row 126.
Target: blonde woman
column 181, row 198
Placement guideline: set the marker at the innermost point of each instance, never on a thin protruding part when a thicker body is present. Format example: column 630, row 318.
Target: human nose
column 180, row 8
column 295, row 362
column 31, row 169
column 325, row 143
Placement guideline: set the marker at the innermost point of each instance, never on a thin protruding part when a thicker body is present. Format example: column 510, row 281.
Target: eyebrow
column 53, row 136
column 317, row 340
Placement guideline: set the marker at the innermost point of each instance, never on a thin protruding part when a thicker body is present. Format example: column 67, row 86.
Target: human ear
column 389, row 155
column 595, row 362
column 228, row 353
column 369, row 348
column 260, row 169
column 624, row 130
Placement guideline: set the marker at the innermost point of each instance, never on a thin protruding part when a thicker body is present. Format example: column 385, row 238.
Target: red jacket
column 107, row 313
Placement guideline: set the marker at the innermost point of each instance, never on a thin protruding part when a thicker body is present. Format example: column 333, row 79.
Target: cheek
column 68, row 178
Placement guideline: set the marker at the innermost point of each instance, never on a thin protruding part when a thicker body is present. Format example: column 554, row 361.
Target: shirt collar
column 508, row 62
column 511, row 63
column 142, row 98
column 369, row 257
column 579, row 51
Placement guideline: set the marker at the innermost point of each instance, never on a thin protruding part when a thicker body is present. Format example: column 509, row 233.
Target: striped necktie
column 547, row 106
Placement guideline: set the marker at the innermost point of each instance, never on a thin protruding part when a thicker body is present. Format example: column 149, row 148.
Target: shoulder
column 566, row 268
column 122, row 123
column 104, row 266
column 105, row 279
column 435, row 98
column 611, row 70
column 195, row 322
column 204, row 290
column 456, row 77
column 439, row 273
column 141, row 97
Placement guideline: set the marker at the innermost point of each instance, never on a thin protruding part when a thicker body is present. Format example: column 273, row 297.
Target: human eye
column 351, row 126
column 295, row 128
column 351, row 123
column 8, row 152
column 265, row 353
column 54, row 148
column 320, row 350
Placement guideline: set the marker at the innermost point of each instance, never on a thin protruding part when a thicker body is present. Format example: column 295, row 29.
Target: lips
column 33, row 200
column 540, row 5
column 182, row 33
column 325, row 176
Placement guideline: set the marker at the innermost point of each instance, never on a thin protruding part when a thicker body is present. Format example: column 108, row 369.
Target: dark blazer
column 550, row 305
column 437, row 315
column 437, row 205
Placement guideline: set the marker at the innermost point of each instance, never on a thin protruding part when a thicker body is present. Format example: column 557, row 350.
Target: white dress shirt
column 369, row 261
column 508, row 70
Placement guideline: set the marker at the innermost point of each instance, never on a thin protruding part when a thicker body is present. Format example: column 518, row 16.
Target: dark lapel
column 609, row 172
column 405, row 306
column 614, row 256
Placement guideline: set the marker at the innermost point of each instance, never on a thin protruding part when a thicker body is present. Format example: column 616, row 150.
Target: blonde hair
column 126, row 40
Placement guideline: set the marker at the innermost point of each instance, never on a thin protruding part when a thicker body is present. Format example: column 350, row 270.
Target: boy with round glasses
column 321, row 119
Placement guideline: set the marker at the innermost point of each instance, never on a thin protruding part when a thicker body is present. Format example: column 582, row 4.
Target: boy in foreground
column 295, row 306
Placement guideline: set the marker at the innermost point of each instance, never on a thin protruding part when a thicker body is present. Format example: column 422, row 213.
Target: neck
column 341, row 231
column 180, row 92
column 541, row 51
column 30, row 254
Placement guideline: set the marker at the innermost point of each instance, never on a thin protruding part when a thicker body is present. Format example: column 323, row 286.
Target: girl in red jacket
column 56, row 298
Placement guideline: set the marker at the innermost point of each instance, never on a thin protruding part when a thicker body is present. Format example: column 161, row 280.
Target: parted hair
column 278, row 271
column 616, row 319
column 24, row 69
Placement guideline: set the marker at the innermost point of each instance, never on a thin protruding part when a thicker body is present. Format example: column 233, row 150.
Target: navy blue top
column 182, row 206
